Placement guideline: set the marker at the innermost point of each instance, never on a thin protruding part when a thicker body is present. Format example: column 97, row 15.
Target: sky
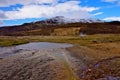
column 16, row 12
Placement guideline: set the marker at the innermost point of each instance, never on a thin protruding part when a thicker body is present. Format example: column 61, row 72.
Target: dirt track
column 50, row 64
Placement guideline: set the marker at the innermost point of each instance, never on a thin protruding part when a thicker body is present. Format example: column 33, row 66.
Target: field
column 88, row 40
column 99, row 52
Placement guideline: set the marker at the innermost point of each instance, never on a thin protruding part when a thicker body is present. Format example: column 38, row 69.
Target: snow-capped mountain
column 54, row 26
column 61, row 19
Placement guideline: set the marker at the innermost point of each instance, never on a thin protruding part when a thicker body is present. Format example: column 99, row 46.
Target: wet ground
column 52, row 61
column 37, row 61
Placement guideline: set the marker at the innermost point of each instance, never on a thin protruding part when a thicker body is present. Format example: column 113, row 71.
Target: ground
column 93, row 57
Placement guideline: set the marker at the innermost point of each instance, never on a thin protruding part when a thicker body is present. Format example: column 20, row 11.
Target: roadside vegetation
column 88, row 40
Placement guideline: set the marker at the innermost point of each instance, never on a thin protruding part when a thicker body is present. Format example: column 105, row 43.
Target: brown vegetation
column 102, row 59
column 60, row 29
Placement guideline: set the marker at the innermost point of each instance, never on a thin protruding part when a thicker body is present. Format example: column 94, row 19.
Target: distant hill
column 60, row 26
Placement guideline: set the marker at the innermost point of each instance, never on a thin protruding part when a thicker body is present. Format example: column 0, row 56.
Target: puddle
column 8, row 51
column 42, row 45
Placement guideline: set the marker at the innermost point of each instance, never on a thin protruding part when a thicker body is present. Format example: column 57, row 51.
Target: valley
column 59, row 39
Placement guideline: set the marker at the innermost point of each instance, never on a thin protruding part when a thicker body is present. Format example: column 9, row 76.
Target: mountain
column 63, row 20
column 61, row 26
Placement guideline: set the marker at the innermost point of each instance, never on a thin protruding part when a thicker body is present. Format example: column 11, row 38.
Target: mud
column 59, row 62
column 37, row 64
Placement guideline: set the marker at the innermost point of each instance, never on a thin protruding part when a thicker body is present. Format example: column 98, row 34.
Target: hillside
column 58, row 26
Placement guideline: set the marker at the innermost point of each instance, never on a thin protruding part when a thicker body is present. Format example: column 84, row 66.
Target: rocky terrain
column 56, row 63
column 42, row 64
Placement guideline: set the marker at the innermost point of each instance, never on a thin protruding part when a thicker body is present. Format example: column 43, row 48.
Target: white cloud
column 111, row 1
column 2, row 15
column 99, row 13
column 116, row 2
column 119, row 3
column 1, row 22
column 88, row 9
column 4, row 3
column 112, row 18
column 68, row 9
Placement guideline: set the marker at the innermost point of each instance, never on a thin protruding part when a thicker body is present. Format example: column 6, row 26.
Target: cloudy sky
column 14, row 12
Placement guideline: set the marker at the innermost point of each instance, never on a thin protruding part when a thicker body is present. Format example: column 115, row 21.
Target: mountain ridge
column 57, row 26
column 62, row 19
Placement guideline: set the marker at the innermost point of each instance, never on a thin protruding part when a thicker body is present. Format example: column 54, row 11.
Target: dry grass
column 105, row 54
column 90, row 49
column 106, row 45
column 83, row 40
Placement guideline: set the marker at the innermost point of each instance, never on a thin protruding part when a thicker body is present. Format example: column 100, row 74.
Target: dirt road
column 42, row 64
column 55, row 63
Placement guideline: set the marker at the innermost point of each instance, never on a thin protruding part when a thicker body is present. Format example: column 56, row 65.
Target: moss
column 11, row 41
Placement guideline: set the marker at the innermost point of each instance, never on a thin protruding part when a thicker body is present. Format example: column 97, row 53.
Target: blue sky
column 16, row 12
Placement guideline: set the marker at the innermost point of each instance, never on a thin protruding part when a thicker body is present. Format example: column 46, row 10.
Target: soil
column 72, row 63
column 45, row 64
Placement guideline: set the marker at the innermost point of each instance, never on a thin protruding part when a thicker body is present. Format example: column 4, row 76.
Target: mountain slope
column 61, row 26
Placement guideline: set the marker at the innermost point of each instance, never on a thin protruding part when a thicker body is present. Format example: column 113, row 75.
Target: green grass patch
column 84, row 40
